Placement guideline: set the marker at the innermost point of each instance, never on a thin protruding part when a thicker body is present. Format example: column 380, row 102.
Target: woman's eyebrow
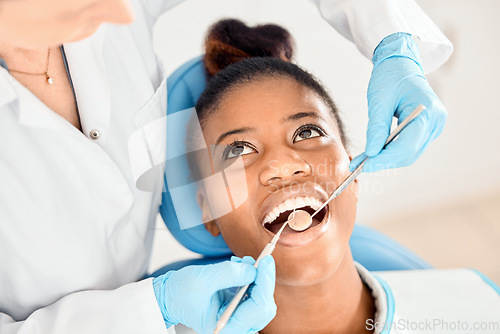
column 232, row 132
column 290, row 118
column 301, row 115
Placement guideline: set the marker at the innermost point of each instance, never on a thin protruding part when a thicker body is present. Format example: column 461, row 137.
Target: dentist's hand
column 397, row 86
column 196, row 296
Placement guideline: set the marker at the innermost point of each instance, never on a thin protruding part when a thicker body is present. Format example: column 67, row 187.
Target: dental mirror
column 299, row 220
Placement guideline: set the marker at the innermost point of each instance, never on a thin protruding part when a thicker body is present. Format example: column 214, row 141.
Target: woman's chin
column 306, row 272
column 83, row 33
column 312, row 263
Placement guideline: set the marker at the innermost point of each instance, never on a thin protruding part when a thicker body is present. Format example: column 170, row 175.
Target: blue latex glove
column 397, row 86
column 196, row 296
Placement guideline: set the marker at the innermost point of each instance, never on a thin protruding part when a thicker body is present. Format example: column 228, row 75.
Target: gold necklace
column 49, row 79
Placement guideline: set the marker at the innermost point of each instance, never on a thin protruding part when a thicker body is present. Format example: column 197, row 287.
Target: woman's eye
column 307, row 133
column 237, row 150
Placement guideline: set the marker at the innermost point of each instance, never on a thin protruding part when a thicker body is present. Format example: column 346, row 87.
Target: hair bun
column 229, row 41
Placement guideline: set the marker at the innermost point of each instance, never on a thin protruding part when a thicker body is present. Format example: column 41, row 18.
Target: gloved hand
column 196, row 296
column 397, row 86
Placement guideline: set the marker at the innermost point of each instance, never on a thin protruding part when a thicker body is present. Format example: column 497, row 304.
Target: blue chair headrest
column 184, row 87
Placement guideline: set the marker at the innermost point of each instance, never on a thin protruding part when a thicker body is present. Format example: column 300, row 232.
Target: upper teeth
column 290, row 204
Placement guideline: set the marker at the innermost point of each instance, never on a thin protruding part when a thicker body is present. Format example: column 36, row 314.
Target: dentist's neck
column 339, row 305
column 29, row 60
column 32, row 68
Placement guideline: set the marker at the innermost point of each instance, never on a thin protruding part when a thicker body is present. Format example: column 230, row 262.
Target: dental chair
column 372, row 249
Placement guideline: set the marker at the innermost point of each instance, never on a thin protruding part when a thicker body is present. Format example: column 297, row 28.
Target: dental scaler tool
column 267, row 251
column 359, row 169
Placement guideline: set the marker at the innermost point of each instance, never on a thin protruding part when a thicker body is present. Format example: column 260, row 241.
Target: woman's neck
column 28, row 60
column 339, row 305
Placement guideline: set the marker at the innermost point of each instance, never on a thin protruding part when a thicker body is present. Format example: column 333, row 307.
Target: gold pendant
column 50, row 80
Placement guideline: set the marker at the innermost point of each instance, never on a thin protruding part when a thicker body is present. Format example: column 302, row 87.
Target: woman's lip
column 296, row 239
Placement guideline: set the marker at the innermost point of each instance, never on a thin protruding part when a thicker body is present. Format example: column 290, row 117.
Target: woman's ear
column 206, row 215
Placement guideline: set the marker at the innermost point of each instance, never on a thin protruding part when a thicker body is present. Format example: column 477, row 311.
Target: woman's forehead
column 270, row 99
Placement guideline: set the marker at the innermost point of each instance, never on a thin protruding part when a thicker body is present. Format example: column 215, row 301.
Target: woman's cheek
column 345, row 210
column 238, row 236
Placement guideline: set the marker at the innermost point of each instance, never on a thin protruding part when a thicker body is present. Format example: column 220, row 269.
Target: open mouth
column 279, row 215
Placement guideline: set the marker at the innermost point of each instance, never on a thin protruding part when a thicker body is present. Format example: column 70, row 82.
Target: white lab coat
column 75, row 232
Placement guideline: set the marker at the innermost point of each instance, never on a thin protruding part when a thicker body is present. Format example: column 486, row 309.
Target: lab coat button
column 94, row 134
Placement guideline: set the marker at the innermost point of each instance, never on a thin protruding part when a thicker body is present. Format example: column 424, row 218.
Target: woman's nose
column 284, row 169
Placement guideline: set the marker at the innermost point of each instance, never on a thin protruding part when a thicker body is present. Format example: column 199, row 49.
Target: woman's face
column 32, row 24
column 293, row 157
